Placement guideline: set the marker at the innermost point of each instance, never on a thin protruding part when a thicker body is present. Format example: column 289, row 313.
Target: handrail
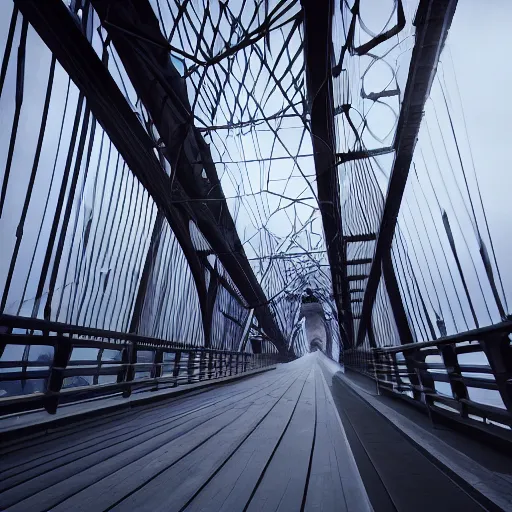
column 118, row 363
column 38, row 324
column 474, row 393
column 471, row 335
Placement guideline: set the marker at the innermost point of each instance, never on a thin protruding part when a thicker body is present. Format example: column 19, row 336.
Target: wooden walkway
column 270, row 442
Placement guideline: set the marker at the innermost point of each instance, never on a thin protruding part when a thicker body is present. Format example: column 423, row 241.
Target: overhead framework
column 200, row 167
column 200, row 190
column 192, row 192
column 133, row 28
column 432, row 22
column 359, row 240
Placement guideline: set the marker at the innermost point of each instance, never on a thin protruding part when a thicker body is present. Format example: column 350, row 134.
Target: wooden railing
column 467, row 376
column 44, row 363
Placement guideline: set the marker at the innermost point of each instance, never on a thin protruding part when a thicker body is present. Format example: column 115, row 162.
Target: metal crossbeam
column 361, row 261
column 369, row 237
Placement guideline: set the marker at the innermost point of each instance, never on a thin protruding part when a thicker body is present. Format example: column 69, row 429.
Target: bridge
column 253, row 256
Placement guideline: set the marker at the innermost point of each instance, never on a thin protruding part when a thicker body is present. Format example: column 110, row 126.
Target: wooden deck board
column 325, row 490
column 190, row 473
column 140, row 424
column 118, row 486
column 244, row 445
column 12, row 452
column 51, row 488
column 284, row 481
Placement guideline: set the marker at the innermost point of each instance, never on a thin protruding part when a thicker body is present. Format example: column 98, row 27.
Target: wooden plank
column 96, row 442
column 50, row 488
column 230, row 489
column 54, row 437
column 283, row 483
column 145, row 474
column 324, row 489
column 186, row 477
column 45, row 489
column 334, row 482
column 53, row 441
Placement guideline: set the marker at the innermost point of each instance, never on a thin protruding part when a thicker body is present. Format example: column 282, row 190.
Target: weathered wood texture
column 271, row 442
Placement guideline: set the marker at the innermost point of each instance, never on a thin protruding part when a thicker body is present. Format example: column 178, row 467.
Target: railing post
column 131, row 360
column 202, row 365
column 157, row 363
column 121, row 375
column 176, row 369
column 498, row 350
column 394, row 364
column 61, row 357
column 210, row 364
column 96, row 377
column 425, row 379
column 451, row 364
column 190, row 366
column 376, row 358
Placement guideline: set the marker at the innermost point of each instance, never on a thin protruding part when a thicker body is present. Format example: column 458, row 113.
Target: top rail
column 465, row 377
column 472, row 335
column 44, row 363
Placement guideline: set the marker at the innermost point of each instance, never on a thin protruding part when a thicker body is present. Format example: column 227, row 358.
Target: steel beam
column 317, row 54
column 144, row 50
column 433, row 19
column 60, row 32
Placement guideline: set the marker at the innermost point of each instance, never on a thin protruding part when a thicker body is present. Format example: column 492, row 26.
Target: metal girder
column 317, row 53
column 144, row 51
column 59, row 31
column 359, row 155
column 146, row 272
column 360, row 261
column 433, row 19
